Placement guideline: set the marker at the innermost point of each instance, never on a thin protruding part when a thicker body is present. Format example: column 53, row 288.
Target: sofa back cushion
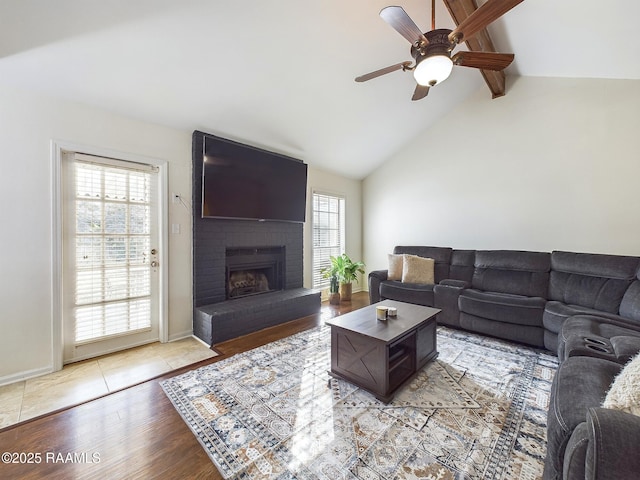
column 511, row 271
column 630, row 305
column 417, row 269
column 591, row 280
column 462, row 265
column 441, row 256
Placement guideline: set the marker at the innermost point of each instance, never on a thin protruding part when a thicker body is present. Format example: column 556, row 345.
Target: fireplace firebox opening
column 254, row 270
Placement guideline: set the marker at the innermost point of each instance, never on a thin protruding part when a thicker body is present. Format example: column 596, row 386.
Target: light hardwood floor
column 133, row 433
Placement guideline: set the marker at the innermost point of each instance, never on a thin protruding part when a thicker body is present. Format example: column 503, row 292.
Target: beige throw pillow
column 624, row 393
column 418, row 269
column 395, row 267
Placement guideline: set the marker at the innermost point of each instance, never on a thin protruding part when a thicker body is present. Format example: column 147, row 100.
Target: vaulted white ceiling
column 278, row 74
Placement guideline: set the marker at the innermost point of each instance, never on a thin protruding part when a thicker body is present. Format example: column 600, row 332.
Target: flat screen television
column 244, row 182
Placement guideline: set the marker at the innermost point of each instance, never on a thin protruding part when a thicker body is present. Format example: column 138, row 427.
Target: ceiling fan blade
column 420, row 92
column 480, row 18
column 382, row 71
column 402, row 23
column 483, row 60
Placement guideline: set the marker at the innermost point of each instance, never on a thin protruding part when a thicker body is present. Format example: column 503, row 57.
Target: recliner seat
column 588, row 284
column 507, row 295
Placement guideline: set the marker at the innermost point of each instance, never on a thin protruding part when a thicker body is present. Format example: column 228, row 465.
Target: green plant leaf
column 345, row 269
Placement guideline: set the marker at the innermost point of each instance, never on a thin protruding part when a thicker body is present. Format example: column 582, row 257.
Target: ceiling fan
column 432, row 50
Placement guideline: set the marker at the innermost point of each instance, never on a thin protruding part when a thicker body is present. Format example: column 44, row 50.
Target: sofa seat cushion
column 419, row 294
column 529, row 335
column 503, row 307
column 573, row 392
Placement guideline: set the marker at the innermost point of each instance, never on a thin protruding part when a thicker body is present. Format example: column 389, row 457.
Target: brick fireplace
column 215, row 238
column 247, row 275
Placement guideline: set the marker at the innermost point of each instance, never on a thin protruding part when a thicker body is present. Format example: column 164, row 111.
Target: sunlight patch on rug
column 477, row 412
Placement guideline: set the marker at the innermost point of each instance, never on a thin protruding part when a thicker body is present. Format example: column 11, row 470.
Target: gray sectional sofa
column 583, row 307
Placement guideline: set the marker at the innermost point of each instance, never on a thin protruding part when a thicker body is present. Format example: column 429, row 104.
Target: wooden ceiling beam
column 481, row 42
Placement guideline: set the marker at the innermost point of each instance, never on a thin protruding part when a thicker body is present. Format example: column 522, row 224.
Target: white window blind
column 328, row 233
column 112, row 248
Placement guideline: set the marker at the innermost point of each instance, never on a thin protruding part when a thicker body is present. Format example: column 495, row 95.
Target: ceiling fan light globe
column 432, row 70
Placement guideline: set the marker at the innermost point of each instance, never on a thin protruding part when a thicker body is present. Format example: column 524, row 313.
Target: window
column 112, row 238
column 328, row 228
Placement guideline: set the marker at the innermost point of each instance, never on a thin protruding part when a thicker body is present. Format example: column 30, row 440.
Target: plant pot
column 334, row 298
column 345, row 292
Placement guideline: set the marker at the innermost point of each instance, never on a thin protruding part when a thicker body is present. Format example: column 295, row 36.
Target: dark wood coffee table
column 380, row 356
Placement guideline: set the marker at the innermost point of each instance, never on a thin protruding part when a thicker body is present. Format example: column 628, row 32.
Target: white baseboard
column 201, row 341
column 18, row 377
column 181, row 335
column 26, row 375
column 189, row 334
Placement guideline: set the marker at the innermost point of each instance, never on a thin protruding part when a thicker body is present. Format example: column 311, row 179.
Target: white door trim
column 57, row 149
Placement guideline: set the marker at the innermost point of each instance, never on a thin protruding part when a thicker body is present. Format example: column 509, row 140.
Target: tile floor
column 89, row 379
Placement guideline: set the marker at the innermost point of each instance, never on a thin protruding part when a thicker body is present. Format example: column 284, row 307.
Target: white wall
column 553, row 165
column 28, row 123
column 351, row 189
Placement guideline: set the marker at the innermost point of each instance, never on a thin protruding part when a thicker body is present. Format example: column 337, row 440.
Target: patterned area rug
column 477, row 412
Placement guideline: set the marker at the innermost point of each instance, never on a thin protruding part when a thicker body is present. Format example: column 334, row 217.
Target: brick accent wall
column 211, row 238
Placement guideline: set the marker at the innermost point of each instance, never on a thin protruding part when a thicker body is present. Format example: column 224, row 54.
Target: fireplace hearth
column 254, row 270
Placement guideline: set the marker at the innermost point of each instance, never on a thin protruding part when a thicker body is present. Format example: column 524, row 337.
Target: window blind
column 328, row 233
column 112, row 247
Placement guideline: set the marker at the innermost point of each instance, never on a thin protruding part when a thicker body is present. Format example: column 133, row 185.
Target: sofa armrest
column 375, row 278
column 445, row 297
column 614, row 445
column 576, row 453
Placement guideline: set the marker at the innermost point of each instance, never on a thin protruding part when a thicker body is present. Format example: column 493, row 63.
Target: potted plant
column 346, row 270
column 334, row 294
column 332, row 274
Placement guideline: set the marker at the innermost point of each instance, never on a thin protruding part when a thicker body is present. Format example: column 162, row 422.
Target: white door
column 110, row 255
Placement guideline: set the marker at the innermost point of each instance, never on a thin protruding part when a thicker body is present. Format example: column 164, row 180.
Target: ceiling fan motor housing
column 439, row 44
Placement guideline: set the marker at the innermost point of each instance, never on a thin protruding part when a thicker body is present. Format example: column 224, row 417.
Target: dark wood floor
column 134, row 433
